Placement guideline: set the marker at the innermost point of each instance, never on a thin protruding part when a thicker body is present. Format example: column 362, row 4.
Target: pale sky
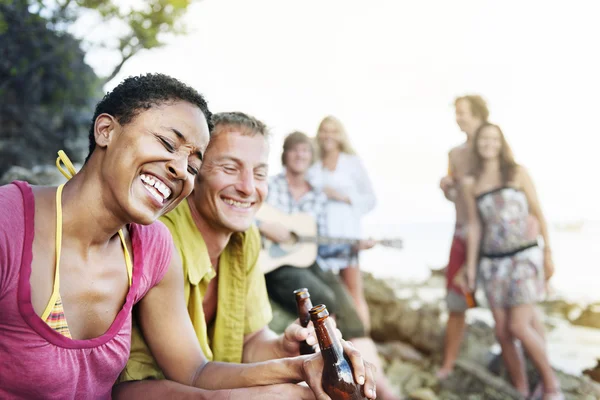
column 390, row 71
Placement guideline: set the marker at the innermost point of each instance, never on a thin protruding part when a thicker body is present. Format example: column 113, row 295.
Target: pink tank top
column 37, row 361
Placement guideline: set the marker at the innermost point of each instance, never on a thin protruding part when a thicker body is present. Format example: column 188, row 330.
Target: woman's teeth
column 155, row 187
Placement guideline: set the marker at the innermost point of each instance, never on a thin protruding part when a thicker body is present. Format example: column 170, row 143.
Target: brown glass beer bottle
column 338, row 377
column 470, row 299
column 303, row 305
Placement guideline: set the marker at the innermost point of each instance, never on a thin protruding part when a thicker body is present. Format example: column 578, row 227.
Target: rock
column 422, row 394
column 409, row 377
column 47, row 175
column 594, row 373
column 441, row 272
column 561, row 308
column 281, row 318
column 50, row 175
column 397, row 350
column 590, row 317
column 16, row 173
column 430, row 331
column 402, row 319
column 469, row 378
column 409, row 333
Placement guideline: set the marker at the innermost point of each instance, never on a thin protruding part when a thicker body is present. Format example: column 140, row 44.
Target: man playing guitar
column 291, row 193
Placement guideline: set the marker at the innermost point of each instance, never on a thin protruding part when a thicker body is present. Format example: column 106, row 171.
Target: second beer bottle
column 303, row 305
column 338, row 376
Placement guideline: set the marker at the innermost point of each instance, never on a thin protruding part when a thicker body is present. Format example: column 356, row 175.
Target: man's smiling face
column 232, row 182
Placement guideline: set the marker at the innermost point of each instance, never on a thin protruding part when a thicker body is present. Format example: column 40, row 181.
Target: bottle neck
column 304, row 306
column 329, row 343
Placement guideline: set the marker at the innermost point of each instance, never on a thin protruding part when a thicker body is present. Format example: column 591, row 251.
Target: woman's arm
column 163, row 389
column 525, row 181
column 473, row 229
column 363, row 199
column 169, row 333
column 168, row 330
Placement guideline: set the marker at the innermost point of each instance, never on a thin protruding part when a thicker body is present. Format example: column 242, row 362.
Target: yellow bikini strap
column 56, row 287
column 127, row 258
column 69, row 173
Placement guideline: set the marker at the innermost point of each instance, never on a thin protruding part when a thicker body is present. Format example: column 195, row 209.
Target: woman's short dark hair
column 139, row 93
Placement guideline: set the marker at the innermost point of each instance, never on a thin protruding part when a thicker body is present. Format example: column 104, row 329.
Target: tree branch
column 117, row 69
column 63, row 7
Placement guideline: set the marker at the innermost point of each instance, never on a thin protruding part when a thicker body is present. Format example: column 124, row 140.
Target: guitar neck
column 327, row 240
column 394, row 243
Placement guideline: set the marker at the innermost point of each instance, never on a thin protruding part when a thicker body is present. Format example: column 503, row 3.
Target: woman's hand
column 333, row 194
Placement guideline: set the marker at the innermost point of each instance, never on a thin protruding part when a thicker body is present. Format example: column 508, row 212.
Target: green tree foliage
column 46, row 89
column 143, row 27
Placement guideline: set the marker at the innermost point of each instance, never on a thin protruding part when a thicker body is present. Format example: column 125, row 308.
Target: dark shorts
column 325, row 287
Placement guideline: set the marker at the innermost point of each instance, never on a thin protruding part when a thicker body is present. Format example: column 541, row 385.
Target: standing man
column 471, row 112
column 224, row 287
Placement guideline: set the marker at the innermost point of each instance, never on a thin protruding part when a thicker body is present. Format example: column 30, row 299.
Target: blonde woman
column 499, row 196
column 343, row 178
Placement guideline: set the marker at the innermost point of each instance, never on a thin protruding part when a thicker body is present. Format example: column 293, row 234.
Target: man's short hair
column 235, row 120
column 293, row 139
column 478, row 105
column 139, row 93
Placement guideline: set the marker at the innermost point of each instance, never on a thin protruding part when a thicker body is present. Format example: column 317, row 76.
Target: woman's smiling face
column 150, row 163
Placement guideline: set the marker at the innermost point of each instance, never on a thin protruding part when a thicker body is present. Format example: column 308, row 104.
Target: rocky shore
column 408, row 327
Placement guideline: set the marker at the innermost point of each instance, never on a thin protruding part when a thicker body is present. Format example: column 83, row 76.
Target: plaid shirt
column 313, row 202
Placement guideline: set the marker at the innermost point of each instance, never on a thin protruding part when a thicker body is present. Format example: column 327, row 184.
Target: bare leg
column 455, row 329
column 369, row 352
column 538, row 323
column 352, row 278
column 510, row 353
column 521, row 325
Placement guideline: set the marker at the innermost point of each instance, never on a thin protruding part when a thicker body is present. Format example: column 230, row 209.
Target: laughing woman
column 500, row 196
column 75, row 259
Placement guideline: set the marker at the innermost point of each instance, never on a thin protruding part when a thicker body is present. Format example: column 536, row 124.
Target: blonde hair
column 479, row 107
column 345, row 146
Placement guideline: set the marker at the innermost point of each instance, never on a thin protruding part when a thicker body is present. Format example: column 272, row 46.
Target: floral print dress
column 510, row 266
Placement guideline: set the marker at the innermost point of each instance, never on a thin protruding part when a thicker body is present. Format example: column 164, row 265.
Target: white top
column 350, row 178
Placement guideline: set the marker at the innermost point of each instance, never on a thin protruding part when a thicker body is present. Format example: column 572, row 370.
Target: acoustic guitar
column 302, row 251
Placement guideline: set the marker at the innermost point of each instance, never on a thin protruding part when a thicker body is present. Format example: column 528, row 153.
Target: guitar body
column 302, row 252
column 299, row 254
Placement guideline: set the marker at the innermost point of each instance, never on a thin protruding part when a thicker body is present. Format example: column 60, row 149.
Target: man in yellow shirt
column 224, row 287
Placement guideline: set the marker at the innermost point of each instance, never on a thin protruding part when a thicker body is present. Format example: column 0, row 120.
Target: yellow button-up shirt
column 243, row 304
